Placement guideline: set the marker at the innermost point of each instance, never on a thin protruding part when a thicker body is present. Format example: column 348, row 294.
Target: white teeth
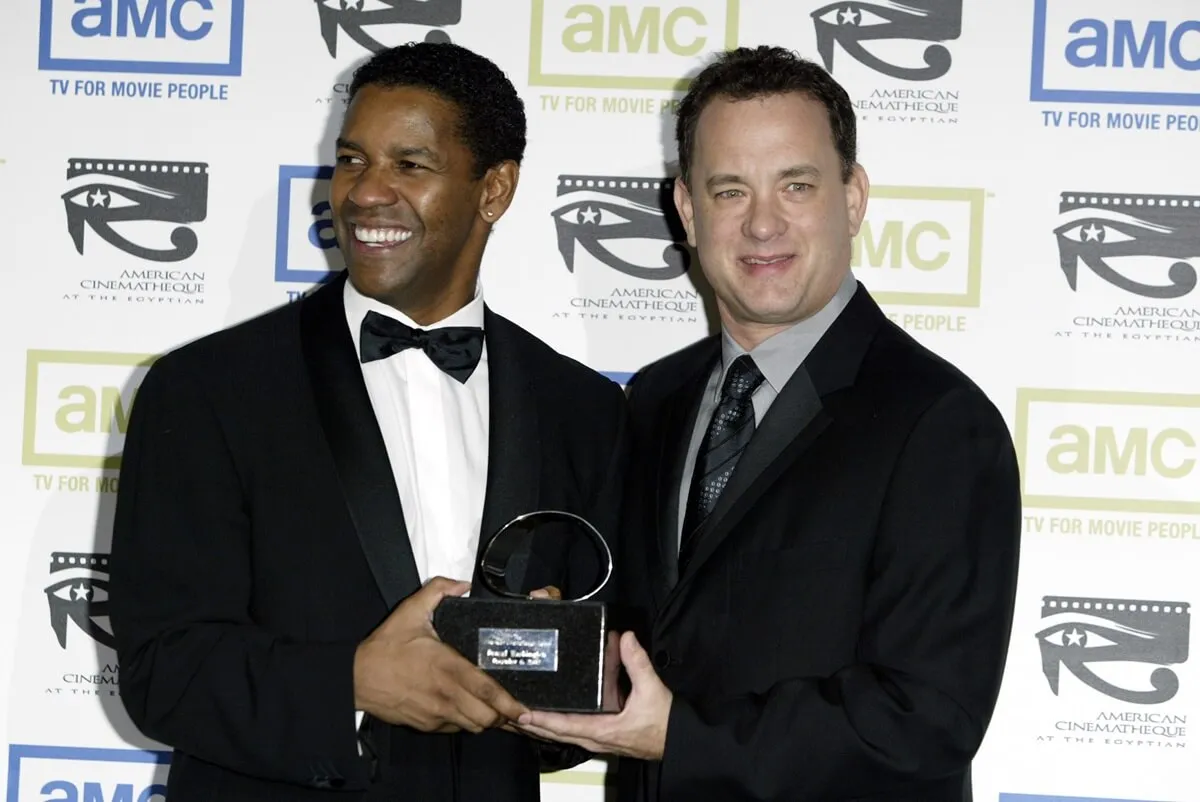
column 378, row 236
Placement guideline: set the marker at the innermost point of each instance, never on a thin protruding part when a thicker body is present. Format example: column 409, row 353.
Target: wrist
column 361, row 677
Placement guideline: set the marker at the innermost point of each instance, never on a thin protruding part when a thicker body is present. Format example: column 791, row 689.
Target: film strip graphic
column 103, row 192
column 1095, row 227
column 599, row 209
column 1085, row 630
column 352, row 18
column 81, row 597
column 851, row 23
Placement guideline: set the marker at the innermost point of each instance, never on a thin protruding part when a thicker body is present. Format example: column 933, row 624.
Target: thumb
column 636, row 661
column 431, row 594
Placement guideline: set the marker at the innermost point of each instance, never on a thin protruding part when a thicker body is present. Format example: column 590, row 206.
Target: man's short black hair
column 491, row 113
column 747, row 73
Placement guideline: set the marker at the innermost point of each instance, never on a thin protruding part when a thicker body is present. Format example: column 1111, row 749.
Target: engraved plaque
column 518, row 649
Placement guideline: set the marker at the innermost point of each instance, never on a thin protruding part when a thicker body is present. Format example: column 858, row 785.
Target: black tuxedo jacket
column 841, row 631
column 258, row 538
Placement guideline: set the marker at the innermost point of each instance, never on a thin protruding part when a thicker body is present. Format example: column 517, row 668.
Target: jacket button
column 662, row 659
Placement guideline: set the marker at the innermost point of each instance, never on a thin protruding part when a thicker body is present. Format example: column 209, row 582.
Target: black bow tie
column 454, row 349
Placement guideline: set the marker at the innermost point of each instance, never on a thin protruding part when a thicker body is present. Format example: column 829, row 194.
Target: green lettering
column 78, row 415
column 938, row 260
column 593, row 30
column 672, row 39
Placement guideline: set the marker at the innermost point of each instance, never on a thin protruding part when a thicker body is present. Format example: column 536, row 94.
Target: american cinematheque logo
column 906, row 42
column 623, row 239
column 142, row 209
column 598, row 213
column 355, row 17
column 1133, row 249
column 80, row 596
column 1107, row 645
column 77, row 594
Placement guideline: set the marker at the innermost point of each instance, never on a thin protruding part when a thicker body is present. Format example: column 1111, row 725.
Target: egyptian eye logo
column 628, row 224
column 102, row 193
column 353, row 16
column 1085, row 631
column 1163, row 230
column 81, row 596
column 849, row 24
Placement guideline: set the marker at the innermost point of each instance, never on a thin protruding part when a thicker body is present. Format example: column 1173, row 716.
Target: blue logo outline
column 287, row 174
column 1039, row 798
column 233, row 68
column 1038, row 92
column 19, row 752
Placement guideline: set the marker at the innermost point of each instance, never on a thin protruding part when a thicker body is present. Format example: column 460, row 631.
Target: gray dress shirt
column 777, row 358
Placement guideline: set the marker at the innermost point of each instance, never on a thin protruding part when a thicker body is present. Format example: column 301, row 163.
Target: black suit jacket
column 842, row 629
column 258, row 538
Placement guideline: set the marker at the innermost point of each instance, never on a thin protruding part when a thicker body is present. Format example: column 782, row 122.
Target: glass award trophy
column 548, row 653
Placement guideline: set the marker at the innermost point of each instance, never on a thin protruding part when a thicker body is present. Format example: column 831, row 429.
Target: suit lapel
column 352, row 432
column 514, row 439
column 675, row 430
column 793, row 423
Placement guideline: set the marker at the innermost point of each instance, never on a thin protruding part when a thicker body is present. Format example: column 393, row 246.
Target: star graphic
column 848, row 16
column 588, row 215
column 1092, row 233
column 81, row 592
column 99, row 198
column 1074, row 638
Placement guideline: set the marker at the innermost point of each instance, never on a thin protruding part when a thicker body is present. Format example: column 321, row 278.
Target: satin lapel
column 676, row 429
column 352, row 432
column 514, row 439
column 791, row 425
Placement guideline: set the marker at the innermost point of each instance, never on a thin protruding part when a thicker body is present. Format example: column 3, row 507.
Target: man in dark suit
column 824, row 516
column 301, row 490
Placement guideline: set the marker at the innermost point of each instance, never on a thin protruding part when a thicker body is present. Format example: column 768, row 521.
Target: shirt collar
column 780, row 355
column 357, row 305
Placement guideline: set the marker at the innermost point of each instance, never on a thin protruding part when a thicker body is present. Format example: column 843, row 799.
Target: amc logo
column 1114, row 451
column 921, row 246
column 625, row 45
column 72, row 774
column 1146, row 52
column 77, row 406
column 172, row 37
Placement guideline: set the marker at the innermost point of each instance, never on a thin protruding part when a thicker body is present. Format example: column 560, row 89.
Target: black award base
column 548, row 654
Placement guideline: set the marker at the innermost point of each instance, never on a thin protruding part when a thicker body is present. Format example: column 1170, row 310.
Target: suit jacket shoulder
column 657, row 381
column 898, row 371
column 552, row 373
column 244, row 350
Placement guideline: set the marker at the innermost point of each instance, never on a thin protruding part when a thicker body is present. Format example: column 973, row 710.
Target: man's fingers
column 486, row 690
column 555, row 737
column 636, row 661
column 548, row 592
column 438, row 588
column 477, row 714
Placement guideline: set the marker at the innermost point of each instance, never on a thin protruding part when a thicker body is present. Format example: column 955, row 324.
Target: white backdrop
column 1035, row 218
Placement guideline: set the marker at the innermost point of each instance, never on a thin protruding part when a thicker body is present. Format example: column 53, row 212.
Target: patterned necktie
column 729, row 431
column 454, row 349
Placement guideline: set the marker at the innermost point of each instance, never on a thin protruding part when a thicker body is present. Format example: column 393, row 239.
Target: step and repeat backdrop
column 1034, row 217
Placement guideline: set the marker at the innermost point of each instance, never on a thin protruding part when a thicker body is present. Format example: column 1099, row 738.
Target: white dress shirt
column 435, row 430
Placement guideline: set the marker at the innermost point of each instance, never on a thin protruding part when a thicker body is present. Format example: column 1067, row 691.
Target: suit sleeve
column 196, row 672
column 936, row 625
column 604, row 512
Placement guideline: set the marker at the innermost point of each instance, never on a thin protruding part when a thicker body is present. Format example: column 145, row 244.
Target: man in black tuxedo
column 301, row 490
column 824, row 516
